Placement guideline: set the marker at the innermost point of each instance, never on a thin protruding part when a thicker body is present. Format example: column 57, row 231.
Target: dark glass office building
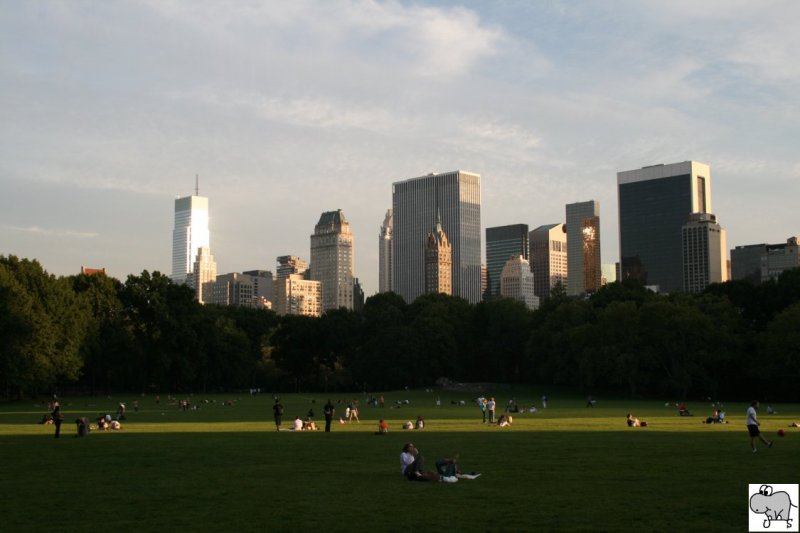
column 415, row 203
column 654, row 204
column 502, row 243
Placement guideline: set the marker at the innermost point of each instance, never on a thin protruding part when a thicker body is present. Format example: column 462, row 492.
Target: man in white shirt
column 753, row 429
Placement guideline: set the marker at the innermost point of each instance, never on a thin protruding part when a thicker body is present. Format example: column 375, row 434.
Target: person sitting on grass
column 632, row 421
column 298, row 424
column 683, row 411
column 309, row 425
column 504, row 421
column 420, row 423
column 383, row 427
column 449, row 471
column 412, row 465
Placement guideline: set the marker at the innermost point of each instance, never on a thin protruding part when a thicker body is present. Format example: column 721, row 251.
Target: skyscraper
column 438, row 261
column 503, row 242
column 583, row 248
column 516, row 281
column 548, row 258
column 204, row 275
column 704, row 253
column 189, row 234
column 654, row 204
column 385, row 254
column 332, row 260
column 457, row 195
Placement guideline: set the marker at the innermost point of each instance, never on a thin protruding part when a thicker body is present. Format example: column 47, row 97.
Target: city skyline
column 547, row 102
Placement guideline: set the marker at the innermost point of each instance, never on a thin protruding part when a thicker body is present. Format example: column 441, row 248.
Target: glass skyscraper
column 189, row 234
column 457, row 195
column 583, row 247
column 654, row 204
column 502, row 243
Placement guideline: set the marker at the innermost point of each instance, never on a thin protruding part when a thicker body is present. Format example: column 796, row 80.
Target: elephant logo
column 775, row 505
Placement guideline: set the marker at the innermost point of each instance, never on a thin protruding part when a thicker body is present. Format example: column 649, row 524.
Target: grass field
column 225, row 468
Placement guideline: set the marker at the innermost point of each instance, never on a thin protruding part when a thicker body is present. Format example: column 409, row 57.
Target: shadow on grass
column 350, row 481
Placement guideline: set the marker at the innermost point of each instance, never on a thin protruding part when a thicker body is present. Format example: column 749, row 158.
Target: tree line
column 94, row 334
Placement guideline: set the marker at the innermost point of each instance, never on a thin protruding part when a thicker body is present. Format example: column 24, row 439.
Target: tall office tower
column 583, row 248
column 233, row 289
column 654, row 203
column 457, row 196
column 503, row 242
column 290, row 264
column 385, row 254
column 203, row 276
column 189, row 234
column 438, row 261
column 295, row 295
column 263, row 286
column 332, row 260
column 548, row 258
column 704, row 253
column 516, row 281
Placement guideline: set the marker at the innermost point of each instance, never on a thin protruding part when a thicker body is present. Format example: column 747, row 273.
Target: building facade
column 654, row 204
column 503, row 242
column 516, row 281
column 415, row 202
column 204, row 276
column 332, row 260
column 290, row 264
column 548, row 258
column 704, row 253
column 385, row 254
column 746, row 262
column 780, row 257
column 189, row 234
column 233, row 289
column 438, row 261
column 295, row 295
column 584, row 272
column 263, row 287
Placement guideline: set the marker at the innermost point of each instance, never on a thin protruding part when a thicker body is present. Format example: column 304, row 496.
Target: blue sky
column 289, row 109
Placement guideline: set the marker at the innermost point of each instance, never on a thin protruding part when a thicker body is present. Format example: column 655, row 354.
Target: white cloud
column 49, row 232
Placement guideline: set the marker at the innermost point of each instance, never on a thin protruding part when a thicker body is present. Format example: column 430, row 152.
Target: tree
column 45, row 328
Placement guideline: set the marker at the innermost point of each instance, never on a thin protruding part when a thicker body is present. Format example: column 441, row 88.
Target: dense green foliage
column 147, row 334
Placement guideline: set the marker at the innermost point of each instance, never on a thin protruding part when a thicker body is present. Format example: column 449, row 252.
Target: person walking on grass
column 58, row 417
column 753, row 427
column 328, row 411
column 277, row 411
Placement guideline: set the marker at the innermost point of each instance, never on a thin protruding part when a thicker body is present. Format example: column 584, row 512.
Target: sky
column 285, row 110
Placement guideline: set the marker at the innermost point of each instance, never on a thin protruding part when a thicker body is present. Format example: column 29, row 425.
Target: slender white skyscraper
column 385, row 254
column 189, row 235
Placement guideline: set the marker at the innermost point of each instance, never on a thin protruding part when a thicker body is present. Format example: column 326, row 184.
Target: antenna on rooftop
column 196, row 185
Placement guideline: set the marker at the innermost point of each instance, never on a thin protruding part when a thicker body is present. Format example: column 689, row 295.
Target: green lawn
column 224, row 467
